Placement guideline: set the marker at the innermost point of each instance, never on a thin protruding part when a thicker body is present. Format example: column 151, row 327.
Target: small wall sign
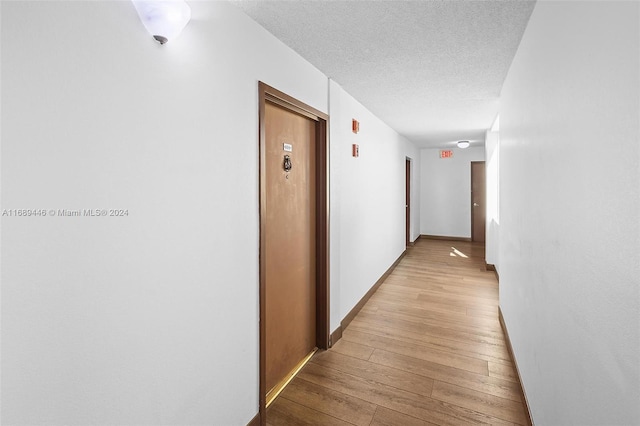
column 446, row 153
column 355, row 150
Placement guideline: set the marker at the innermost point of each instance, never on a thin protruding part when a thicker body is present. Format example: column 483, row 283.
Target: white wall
column 150, row 318
column 492, row 152
column 368, row 200
column 570, row 203
column 445, row 192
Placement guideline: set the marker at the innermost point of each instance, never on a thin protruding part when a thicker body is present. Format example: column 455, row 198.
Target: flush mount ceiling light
column 463, row 144
column 164, row 19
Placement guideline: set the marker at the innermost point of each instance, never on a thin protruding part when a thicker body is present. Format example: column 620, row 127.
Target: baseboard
column 255, row 421
column 353, row 312
column 515, row 363
column 444, row 237
column 335, row 336
column 490, row 267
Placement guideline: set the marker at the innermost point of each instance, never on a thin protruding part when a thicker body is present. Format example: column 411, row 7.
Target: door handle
column 476, row 205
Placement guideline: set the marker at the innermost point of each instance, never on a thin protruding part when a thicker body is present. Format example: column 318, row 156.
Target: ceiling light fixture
column 164, row 19
column 463, row 144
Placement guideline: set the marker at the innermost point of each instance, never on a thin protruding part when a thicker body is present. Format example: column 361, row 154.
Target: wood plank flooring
column 426, row 349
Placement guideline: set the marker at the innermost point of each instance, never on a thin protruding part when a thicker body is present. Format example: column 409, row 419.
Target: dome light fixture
column 164, row 19
column 463, row 144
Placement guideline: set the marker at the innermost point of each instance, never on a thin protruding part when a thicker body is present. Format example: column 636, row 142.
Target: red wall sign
column 446, row 153
column 355, row 126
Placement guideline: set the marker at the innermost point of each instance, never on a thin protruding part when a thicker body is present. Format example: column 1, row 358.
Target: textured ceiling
column 432, row 70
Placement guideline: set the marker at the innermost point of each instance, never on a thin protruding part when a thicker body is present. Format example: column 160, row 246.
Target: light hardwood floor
column 427, row 348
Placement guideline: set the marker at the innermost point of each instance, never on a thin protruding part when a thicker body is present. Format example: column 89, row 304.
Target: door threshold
column 277, row 389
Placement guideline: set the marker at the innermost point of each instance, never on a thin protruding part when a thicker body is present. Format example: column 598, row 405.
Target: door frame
column 407, row 200
column 266, row 94
column 473, row 210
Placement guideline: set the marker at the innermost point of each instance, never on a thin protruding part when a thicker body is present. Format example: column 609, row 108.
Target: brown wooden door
column 290, row 256
column 478, row 201
column 408, row 203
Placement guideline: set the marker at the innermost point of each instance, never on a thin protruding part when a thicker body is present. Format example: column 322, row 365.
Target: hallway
column 426, row 349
